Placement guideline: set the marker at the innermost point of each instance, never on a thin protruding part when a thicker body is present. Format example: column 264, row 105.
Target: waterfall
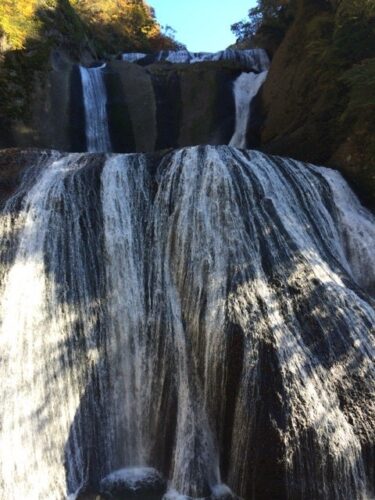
column 250, row 60
column 202, row 312
column 245, row 89
column 133, row 56
column 95, row 101
column 357, row 230
column 50, row 333
column 173, row 92
column 125, row 200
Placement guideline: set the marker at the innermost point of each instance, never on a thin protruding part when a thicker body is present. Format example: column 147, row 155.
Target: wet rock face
column 194, row 103
column 133, row 483
column 88, row 495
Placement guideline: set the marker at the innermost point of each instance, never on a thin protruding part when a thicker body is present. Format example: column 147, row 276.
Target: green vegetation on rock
column 319, row 99
column 266, row 24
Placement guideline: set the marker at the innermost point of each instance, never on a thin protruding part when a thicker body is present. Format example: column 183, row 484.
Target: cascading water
column 200, row 312
column 245, row 89
column 356, row 228
column 182, row 124
column 125, row 199
column 251, row 59
column 50, row 339
column 95, row 101
column 133, row 56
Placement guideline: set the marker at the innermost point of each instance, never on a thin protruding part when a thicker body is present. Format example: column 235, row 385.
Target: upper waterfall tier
column 205, row 312
column 184, row 107
column 123, row 107
column 130, row 108
column 250, row 60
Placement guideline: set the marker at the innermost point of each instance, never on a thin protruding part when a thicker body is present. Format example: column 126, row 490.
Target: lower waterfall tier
column 205, row 312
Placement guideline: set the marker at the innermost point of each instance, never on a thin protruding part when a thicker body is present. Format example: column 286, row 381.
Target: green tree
column 272, row 15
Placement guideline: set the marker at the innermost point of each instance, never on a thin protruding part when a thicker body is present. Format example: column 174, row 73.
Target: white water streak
column 125, row 201
column 95, row 101
column 251, row 59
column 357, row 229
column 245, row 89
column 40, row 395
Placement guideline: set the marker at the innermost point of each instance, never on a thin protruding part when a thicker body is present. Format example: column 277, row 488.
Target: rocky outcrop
column 308, row 98
column 170, row 105
column 143, row 483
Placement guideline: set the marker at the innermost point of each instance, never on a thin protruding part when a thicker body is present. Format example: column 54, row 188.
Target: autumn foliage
column 112, row 25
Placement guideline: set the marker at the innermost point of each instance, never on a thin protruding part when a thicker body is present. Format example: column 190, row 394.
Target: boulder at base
column 136, row 482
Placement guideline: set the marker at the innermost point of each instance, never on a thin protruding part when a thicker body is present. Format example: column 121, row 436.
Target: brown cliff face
column 317, row 98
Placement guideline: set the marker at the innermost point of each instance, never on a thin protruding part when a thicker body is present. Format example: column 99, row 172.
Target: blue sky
column 202, row 25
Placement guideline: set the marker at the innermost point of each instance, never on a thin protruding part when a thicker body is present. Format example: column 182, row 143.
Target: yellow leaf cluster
column 17, row 21
column 128, row 17
column 132, row 19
